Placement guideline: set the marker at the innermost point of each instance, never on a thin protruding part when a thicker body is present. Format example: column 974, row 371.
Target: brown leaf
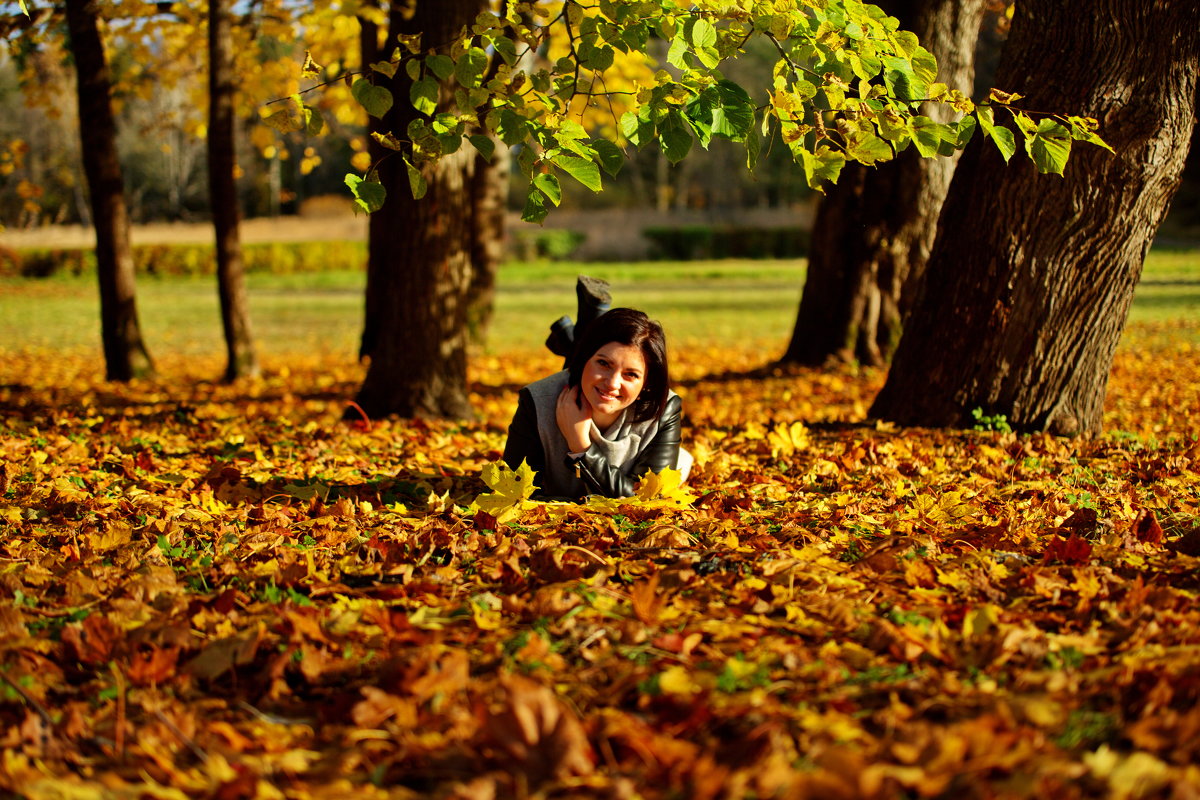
column 94, row 640
column 152, row 666
column 647, row 604
column 224, row 654
column 541, row 734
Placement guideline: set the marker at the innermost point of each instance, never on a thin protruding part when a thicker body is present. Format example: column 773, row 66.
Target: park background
column 215, row 588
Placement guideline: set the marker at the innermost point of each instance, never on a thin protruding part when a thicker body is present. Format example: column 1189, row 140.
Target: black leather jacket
column 598, row 475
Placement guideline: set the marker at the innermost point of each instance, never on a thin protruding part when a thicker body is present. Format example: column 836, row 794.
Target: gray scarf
column 621, row 443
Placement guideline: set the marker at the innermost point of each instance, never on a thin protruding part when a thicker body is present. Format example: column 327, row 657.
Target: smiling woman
column 607, row 419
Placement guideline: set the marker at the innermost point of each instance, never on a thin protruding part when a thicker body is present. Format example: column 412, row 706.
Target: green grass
column 697, row 301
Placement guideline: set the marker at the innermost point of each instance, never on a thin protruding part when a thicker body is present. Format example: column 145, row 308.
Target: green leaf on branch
column 902, row 81
column 609, row 156
column 385, row 68
column 821, row 167
column 284, row 121
column 470, row 67
column 933, row 138
column 1049, row 147
column 512, row 127
column 868, row 149
column 314, row 123
column 424, row 95
column 416, row 181
column 486, row 146
column 722, row 110
column 441, row 66
column 1004, row 139
column 548, row 185
column 368, row 194
column 387, row 140
column 1084, row 129
column 24, row 8
column 375, row 99
column 637, row 128
column 535, row 207
column 582, row 170
column 675, row 137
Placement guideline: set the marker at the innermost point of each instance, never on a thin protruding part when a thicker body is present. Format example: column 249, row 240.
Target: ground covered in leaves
column 212, row 592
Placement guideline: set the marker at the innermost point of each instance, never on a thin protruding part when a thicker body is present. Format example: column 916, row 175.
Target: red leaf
column 1147, row 529
column 1073, row 550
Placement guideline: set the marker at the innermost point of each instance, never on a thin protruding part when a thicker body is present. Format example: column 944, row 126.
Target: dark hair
column 632, row 328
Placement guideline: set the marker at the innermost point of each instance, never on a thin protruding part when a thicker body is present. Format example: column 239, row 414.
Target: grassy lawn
column 750, row 302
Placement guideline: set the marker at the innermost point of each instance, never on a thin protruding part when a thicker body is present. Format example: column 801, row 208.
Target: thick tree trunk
column 421, row 257
column 125, row 355
column 875, row 227
column 241, row 359
column 1031, row 277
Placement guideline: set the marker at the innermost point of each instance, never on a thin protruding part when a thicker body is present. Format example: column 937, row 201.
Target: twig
column 34, row 704
column 183, row 737
column 119, row 733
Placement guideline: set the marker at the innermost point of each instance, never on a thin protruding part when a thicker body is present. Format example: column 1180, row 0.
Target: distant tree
column 241, row 360
column 125, row 353
column 874, row 228
column 1030, row 280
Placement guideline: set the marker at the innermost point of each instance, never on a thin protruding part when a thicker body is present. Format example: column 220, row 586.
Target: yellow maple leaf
column 510, row 493
column 664, row 489
column 787, row 439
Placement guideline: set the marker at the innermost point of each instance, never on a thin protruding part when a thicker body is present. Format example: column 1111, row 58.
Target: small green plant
column 990, row 422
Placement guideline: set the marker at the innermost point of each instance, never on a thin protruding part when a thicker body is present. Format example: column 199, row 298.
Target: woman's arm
column 524, row 442
column 662, row 452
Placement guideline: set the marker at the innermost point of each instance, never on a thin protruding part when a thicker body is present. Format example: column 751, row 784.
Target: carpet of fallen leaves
column 215, row 592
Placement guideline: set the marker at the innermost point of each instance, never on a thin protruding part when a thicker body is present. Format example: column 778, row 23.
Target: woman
column 600, row 424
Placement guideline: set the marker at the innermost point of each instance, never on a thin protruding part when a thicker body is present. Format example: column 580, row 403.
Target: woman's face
column 613, row 378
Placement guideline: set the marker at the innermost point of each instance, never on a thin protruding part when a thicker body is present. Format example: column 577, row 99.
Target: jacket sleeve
column 663, row 451
column 524, row 442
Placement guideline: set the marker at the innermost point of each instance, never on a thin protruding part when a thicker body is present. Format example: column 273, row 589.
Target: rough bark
column 875, row 227
column 1030, row 280
column 421, row 258
column 125, row 354
column 241, row 359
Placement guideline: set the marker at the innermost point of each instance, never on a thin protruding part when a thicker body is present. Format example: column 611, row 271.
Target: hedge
column 276, row 258
column 691, row 242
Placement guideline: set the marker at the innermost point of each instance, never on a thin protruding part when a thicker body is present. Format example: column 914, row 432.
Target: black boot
column 562, row 337
column 594, row 299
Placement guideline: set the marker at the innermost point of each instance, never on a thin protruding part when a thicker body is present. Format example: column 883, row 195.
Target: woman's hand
column 574, row 416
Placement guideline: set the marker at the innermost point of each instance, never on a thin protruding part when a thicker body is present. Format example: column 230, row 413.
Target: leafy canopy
column 848, row 85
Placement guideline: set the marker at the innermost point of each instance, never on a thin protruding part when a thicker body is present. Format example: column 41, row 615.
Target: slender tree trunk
column 489, row 195
column 241, row 360
column 875, row 227
column 368, row 45
column 125, row 354
column 421, row 257
column 1031, row 277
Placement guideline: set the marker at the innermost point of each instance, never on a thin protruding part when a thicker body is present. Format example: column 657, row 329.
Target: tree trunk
column 421, row 257
column 368, row 46
column 125, row 355
column 1031, row 277
column 489, row 196
column 241, row 359
column 875, row 227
